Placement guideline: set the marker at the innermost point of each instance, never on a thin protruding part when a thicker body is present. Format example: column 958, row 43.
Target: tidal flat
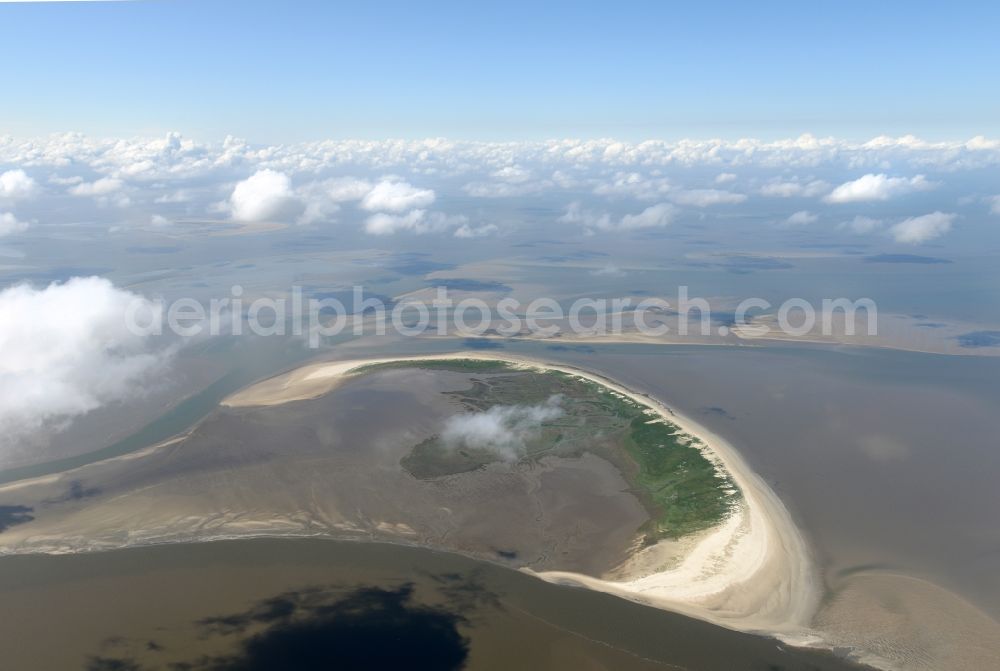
column 336, row 465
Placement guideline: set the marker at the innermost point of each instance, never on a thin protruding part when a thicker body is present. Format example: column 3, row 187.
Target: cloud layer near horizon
column 503, row 162
column 410, row 187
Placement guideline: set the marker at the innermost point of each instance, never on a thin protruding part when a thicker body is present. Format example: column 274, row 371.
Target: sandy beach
column 752, row 573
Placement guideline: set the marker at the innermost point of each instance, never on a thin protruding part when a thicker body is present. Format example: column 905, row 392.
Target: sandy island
column 752, row 572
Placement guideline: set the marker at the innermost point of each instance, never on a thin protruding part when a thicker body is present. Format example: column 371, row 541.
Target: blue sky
column 280, row 72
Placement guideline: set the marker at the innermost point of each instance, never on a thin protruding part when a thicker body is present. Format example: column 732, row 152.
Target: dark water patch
column 75, row 492
column 743, row 264
column 975, row 339
column 13, row 515
column 269, row 610
column 720, row 318
column 739, row 264
column 369, row 628
column 580, row 255
column 419, row 267
column 481, row 343
column 353, row 304
column 365, row 627
column 415, row 263
column 725, row 318
column 462, row 284
column 717, row 411
column 931, row 325
column 905, row 258
column 584, row 349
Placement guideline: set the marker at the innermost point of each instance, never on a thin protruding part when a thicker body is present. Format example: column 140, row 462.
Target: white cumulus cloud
column 414, row 221
column 577, row 214
column 513, row 174
column 794, row 188
column 503, row 429
column 65, row 350
column 995, row 205
column 16, row 184
column 343, row 189
column 635, row 185
column 505, row 189
column 877, row 187
column 915, row 230
column 801, row 218
column 655, row 216
column 392, row 196
column 264, row 196
column 466, row 231
column 9, row 224
column 100, row 187
column 387, row 224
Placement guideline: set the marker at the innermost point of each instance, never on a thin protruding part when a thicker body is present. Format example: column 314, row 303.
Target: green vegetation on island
column 681, row 489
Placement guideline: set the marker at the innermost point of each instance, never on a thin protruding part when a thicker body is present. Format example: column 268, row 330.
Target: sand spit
column 751, row 573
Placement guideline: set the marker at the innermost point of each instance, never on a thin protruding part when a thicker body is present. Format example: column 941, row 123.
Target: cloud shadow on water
column 14, row 515
column 328, row 628
column 975, row 339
